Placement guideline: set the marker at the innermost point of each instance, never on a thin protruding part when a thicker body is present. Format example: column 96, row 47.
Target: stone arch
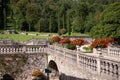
column 52, row 64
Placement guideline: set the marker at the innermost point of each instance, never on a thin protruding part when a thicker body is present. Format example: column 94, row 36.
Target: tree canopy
column 52, row 15
column 109, row 25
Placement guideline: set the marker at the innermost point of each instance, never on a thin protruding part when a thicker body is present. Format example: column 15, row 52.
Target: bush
column 37, row 73
column 101, row 43
column 78, row 42
column 65, row 40
column 117, row 40
column 54, row 39
column 62, row 31
column 88, row 49
column 71, row 46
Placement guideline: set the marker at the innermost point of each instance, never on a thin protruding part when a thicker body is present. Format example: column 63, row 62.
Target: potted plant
column 37, row 75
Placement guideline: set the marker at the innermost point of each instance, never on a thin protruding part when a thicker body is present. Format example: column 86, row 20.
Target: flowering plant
column 101, row 43
column 37, row 73
column 55, row 39
column 64, row 40
column 78, row 42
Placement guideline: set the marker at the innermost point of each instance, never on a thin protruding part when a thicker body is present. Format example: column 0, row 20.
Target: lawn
column 76, row 34
column 34, row 35
column 20, row 37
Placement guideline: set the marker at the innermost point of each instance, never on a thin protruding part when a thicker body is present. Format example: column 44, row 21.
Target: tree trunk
column 58, row 22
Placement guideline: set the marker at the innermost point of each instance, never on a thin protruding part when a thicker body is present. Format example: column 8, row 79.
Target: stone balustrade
column 22, row 49
column 110, row 51
column 94, row 66
column 110, row 69
column 114, row 51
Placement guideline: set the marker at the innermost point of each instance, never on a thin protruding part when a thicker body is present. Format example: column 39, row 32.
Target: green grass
column 42, row 35
column 76, row 34
column 19, row 37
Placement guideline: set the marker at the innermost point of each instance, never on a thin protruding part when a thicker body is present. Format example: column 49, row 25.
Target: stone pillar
column 24, row 49
column 108, row 50
column 119, row 71
column 99, row 64
column 64, row 53
column 77, row 58
column 95, row 51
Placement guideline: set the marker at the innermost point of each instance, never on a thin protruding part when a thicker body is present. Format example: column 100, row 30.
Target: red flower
column 55, row 39
column 102, row 43
column 78, row 42
column 65, row 40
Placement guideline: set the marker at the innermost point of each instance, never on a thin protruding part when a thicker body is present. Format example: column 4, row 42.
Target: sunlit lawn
column 24, row 37
column 20, row 37
column 77, row 34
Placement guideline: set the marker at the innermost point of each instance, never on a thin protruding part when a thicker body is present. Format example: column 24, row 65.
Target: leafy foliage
column 62, row 31
column 55, row 39
column 37, row 73
column 78, row 42
column 101, row 43
column 70, row 46
column 52, row 15
column 109, row 23
column 64, row 40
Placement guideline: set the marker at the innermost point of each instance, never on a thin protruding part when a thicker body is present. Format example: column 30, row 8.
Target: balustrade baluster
column 101, row 66
column 112, row 69
column 107, row 68
column 90, row 64
column 116, row 71
column 95, row 65
column 0, row 50
column 4, row 50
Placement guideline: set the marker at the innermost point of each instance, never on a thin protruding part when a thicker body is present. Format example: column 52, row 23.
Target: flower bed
column 64, row 40
column 55, row 39
column 101, row 43
column 78, row 42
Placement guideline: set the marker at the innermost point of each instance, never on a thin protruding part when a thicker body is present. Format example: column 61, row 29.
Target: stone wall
column 20, row 66
column 67, row 64
column 85, row 65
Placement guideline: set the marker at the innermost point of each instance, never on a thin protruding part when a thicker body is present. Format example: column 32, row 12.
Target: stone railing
column 110, row 51
column 94, row 66
column 22, row 49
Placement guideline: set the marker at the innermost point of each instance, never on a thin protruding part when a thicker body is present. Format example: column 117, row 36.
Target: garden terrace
column 73, row 63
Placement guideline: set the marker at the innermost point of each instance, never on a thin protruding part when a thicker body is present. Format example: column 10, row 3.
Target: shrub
column 78, row 42
column 71, row 46
column 101, row 43
column 88, row 49
column 37, row 73
column 117, row 40
column 65, row 40
column 54, row 39
column 62, row 31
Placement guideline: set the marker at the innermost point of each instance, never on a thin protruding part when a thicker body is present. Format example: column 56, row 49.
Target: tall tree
column 68, row 25
column 109, row 23
column 50, row 24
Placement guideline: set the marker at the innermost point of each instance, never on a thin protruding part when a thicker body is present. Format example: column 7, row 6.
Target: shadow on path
column 7, row 77
column 65, row 77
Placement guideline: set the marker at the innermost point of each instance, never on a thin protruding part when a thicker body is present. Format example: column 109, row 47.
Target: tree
column 109, row 25
column 58, row 21
column 50, row 24
column 68, row 25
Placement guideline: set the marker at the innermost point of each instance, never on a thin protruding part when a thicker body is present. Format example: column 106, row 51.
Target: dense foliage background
column 109, row 23
column 52, row 15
